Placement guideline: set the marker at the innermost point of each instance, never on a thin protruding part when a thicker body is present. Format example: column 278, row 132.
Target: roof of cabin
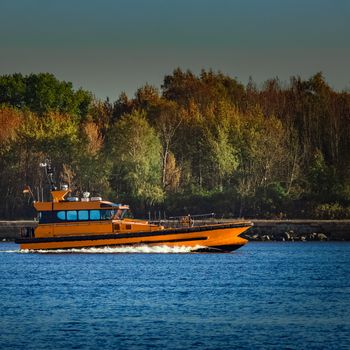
column 79, row 205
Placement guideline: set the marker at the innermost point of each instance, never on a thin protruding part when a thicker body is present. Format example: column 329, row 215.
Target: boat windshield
column 120, row 214
column 107, row 214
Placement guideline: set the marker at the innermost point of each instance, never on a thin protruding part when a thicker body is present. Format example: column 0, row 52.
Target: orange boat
column 70, row 222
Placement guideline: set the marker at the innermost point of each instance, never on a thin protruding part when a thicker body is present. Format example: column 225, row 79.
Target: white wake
column 143, row 249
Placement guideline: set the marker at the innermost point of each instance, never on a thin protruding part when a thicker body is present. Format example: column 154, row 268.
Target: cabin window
column 128, row 227
column 45, row 217
column 83, row 215
column 95, row 215
column 72, row 215
column 61, row 215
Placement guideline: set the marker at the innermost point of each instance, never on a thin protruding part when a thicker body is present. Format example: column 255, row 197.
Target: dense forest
column 201, row 143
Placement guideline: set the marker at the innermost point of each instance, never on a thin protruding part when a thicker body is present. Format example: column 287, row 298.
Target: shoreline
column 263, row 230
column 299, row 230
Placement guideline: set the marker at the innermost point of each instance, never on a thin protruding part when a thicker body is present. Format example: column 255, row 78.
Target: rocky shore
column 287, row 236
column 299, row 230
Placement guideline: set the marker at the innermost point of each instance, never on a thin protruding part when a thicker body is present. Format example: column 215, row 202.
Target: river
column 266, row 295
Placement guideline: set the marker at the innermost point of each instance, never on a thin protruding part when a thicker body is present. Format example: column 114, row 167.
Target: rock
column 265, row 238
column 322, row 237
column 254, row 237
column 286, row 236
column 303, row 239
column 312, row 236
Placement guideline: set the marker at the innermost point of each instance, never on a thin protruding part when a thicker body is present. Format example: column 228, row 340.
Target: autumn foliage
column 200, row 143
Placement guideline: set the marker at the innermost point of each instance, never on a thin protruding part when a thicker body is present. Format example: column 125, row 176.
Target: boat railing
column 187, row 220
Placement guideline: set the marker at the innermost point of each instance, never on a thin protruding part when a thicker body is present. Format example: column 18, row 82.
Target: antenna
column 49, row 173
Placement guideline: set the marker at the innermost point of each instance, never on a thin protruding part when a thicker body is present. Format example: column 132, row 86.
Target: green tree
column 134, row 153
column 323, row 183
column 43, row 93
column 261, row 157
column 13, row 90
column 221, row 128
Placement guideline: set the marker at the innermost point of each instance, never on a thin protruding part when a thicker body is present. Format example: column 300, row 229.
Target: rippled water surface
column 265, row 295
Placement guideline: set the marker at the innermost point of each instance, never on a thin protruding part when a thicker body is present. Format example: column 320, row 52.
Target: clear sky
column 109, row 46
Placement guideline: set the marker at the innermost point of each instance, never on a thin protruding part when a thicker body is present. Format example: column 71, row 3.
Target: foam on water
column 163, row 249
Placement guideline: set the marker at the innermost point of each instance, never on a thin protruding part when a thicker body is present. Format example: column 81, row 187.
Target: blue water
column 263, row 296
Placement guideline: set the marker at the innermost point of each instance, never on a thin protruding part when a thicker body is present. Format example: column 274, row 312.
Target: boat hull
column 220, row 237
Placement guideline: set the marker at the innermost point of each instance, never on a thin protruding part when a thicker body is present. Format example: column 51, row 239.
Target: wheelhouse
column 59, row 216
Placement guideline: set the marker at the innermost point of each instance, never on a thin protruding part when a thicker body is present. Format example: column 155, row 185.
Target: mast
column 49, row 174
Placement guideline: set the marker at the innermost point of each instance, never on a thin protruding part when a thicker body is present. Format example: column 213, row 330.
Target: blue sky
column 109, row 46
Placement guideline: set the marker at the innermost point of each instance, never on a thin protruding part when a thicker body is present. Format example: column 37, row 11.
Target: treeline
column 203, row 143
